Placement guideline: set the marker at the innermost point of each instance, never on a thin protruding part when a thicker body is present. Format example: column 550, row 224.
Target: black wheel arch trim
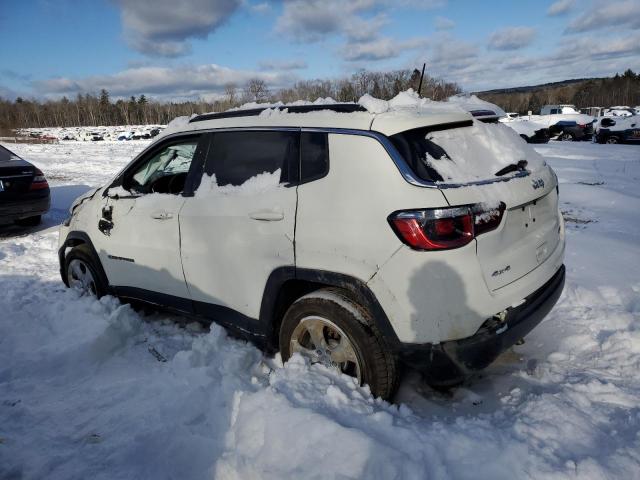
column 272, row 309
column 73, row 239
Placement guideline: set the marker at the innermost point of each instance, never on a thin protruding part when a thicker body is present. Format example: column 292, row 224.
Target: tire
column 566, row 137
column 29, row 221
column 373, row 363
column 612, row 140
column 81, row 261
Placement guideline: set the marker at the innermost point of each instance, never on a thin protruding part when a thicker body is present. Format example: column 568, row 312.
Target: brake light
column 487, row 219
column 444, row 228
column 39, row 181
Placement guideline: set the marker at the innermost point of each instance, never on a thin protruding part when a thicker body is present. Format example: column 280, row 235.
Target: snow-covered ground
column 91, row 389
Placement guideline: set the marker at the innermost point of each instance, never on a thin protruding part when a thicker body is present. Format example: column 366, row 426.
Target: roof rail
column 252, row 112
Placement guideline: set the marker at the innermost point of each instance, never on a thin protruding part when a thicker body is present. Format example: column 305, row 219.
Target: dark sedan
column 24, row 191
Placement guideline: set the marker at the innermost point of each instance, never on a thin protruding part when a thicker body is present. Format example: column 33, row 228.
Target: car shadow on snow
column 431, row 288
column 62, row 196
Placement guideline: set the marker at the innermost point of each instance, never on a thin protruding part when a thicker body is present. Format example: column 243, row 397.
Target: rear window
column 235, row 157
column 6, row 155
column 464, row 152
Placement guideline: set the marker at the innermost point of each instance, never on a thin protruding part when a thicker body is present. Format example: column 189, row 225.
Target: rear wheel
column 329, row 328
column 613, row 140
column 83, row 272
column 566, row 137
column 29, row 221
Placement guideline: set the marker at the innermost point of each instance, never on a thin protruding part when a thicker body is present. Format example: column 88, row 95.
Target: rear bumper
column 24, row 208
column 449, row 363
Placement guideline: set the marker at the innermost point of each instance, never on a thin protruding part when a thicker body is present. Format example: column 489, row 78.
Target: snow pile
column 472, row 103
column 373, row 105
column 257, row 184
column 479, row 151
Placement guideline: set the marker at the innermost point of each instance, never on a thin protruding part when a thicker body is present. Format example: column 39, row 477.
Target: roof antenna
column 421, row 77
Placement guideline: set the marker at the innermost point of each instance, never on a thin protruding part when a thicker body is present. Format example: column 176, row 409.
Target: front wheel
column 329, row 328
column 83, row 272
column 613, row 140
column 566, row 137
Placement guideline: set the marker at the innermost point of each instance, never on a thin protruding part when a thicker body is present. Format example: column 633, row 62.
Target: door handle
column 162, row 215
column 267, row 215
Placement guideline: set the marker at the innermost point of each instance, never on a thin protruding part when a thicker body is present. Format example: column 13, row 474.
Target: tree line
column 601, row 92
column 100, row 109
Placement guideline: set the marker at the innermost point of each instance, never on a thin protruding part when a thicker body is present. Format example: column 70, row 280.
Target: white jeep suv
column 333, row 232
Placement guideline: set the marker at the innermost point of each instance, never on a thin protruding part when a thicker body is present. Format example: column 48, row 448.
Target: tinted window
column 554, row 111
column 314, row 150
column 416, row 149
column 6, row 155
column 235, row 157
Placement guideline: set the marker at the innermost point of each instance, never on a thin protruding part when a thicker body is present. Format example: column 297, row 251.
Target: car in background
column 619, row 130
column 531, row 132
column 571, row 130
column 24, row 190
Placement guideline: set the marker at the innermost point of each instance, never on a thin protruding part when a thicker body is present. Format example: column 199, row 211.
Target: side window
column 235, row 157
column 314, row 155
column 165, row 171
column 554, row 111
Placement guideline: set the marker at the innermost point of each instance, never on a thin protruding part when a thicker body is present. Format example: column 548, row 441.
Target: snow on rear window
column 479, row 151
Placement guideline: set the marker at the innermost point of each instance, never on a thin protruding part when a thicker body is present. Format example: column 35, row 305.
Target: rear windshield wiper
column 512, row 167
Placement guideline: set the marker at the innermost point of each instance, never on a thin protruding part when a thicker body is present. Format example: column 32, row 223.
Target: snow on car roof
column 404, row 112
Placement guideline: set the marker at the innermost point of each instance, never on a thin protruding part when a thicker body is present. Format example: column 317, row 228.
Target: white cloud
column 608, row 14
column 511, row 38
column 163, row 27
column 444, row 23
column 560, row 7
column 282, row 65
column 260, row 8
column 379, row 49
column 309, row 21
column 186, row 82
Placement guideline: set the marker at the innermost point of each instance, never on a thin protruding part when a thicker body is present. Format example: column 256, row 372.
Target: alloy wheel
column 322, row 341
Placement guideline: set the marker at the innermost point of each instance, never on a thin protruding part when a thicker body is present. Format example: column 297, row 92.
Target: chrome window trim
column 386, row 143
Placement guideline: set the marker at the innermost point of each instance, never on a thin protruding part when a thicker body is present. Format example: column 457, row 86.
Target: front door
column 140, row 250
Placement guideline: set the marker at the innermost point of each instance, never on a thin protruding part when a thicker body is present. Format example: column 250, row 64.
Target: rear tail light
column 444, row 228
column 39, row 181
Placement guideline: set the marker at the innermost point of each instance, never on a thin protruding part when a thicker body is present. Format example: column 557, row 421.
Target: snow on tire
column 329, row 328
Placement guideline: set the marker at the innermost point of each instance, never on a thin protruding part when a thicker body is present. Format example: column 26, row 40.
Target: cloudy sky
column 192, row 48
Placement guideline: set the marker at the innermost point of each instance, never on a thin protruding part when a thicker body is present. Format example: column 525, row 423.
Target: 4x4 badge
column 537, row 183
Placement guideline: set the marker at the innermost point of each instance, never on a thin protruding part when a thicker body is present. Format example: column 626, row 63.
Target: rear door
column 239, row 226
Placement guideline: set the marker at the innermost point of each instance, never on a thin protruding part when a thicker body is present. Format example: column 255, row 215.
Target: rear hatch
column 489, row 164
column 15, row 175
column 530, row 228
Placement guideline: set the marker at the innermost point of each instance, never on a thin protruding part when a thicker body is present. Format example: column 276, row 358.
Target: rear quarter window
column 314, row 156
